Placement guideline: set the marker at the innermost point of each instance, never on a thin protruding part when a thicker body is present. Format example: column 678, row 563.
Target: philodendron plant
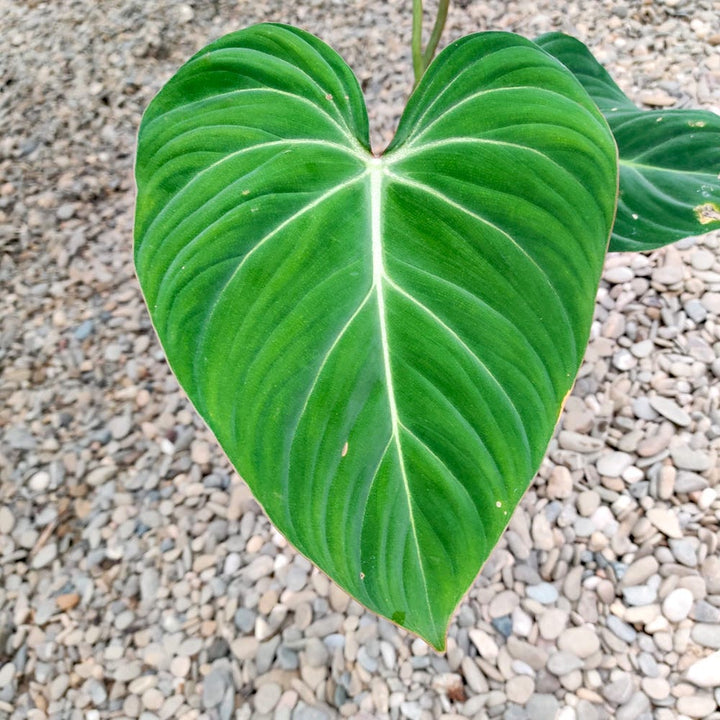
column 382, row 344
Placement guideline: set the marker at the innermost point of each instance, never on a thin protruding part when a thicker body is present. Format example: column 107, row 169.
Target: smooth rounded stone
column 707, row 635
column 578, row 442
column 639, row 595
column 672, row 272
column 190, row 647
column 702, row 259
column 316, row 653
column 156, row 656
column 231, row 564
column 296, row 578
column 636, row 706
column 124, row 620
column 665, row 520
column 585, row 710
column 245, row 648
column 640, row 570
column 411, row 710
column 260, row 567
column 542, row 706
column 522, row 623
column 535, row 657
column 120, row 426
column 578, row 417
column 620, row 690
column 695, row 310
column 687, row 459
column 640, row 350
column 7, row 520
column 302, row 711
column 613, row 464
column 180, row 666
column 45, row 556
column 705, row 672
column 560, row 483
column 684, row 550
column 703, row 611
column 711, row 302
column 552, row 622
column 544, row 593
column 618, row 275
column 503, row 604
column 152, row 699
column 624, row 360
column 657, row 688
column 149, row 584
column 519, row 689
column 503, row 625
column 670, row 410
column 287, row 658
column 39, row 482
column 572, row 583
column 688, row 482
column 58, row 687
column 677, row 604
column 696, row 706
column 621, row 629
column 710, row 570
column 541, row 533
column 214, row 686
column 474, row 677
column 267, row 697
column 642, row 409
column 128, row 671
column 366, row 661
column 587, row 502
column 244, row 620
column 515, row 712
column 563, row 662
column 581, row 641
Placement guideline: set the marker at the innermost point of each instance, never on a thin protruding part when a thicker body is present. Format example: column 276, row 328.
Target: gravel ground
column 139, row 579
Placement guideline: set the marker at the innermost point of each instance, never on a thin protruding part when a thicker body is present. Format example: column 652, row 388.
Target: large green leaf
column 381, row 345
column 669, row 159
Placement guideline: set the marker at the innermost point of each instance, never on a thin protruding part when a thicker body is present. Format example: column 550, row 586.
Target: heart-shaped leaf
column 381, row 345
column 669, row 159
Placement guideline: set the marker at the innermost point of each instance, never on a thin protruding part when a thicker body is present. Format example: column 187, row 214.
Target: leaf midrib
column 376, row 169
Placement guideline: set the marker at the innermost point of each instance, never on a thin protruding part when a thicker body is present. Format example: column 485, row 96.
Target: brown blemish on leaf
column 707, row 213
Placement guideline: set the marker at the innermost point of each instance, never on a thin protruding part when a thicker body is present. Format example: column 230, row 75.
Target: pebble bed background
column 139, row 579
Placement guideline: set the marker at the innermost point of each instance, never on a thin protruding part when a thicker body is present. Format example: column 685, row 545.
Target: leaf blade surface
column 381, row 345
column 669, row 159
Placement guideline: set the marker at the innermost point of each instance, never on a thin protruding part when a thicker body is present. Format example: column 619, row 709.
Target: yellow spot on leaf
column 697, row 123
column 344, row 450
column 245, row 192
column 707, row 213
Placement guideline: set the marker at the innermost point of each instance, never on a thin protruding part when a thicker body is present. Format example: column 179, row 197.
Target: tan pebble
column 696, row 706
column 180, row 666
column 268, row 601
column 67, row 601
column 520, row 689
column 581, row 641
column 656, row 688
column 244, row 648
column 560, row 484
column 152, row 699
